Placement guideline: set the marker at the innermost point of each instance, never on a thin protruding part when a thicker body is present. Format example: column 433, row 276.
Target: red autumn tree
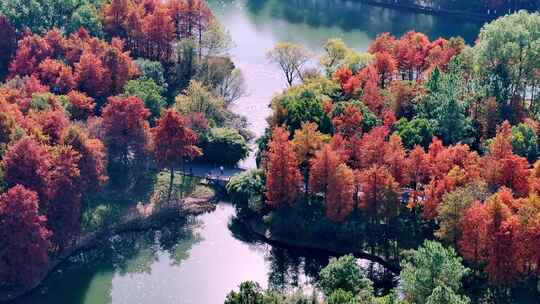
column 343, row 75
column 505, row 262
column 492, row 235
column 196, row 19
column 115, row 14
column 370, row 150
column 348, row 123
column 31, row 50
column 282, row 174
column 64, row 208
column 57, row 75
column 502, row 167
column 323, row 168
column 343, row 147
column 135, row 32
column 419, row 170
column 410, row 54
column 384, row 42
column 24, row 237
column 372, row 98
column 126, row 129
column 380, row 193
column 306, row 142
column 532, row 243
column 53, row 124
column 386, row 66
column 93, row 158
column 92, row 76
column 159, row 30
column 443, row 159
column 119, row 68
column 27, row 163
column 177, row 11
column 341, row 189
column 80, row 105
column 173, row 143
column 56, row 41
column 474, row 241
column 403, row 94
column 395, row 159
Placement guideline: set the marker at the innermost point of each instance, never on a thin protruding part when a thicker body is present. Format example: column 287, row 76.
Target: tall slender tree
column 173, row 143
column 282, row 174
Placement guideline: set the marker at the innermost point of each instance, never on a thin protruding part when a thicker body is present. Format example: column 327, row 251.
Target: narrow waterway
column 198, row 261
column 201, row 261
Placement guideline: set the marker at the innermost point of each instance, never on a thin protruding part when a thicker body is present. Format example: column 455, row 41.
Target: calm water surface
column 201, row 262
column 198, row 261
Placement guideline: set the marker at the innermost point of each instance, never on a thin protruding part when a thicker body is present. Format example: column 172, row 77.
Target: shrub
column 224, row 146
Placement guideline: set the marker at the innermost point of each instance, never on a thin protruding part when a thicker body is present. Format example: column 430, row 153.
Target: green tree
column 246, row 190
column 302, row 105
column 86, row 16
column 337, row 55
column 344, row 274
column 452, row 207
column 216, row 40
column 445, row 104
column 185, row 65
column 249, row 293
column 290, row 58
column 429, row 267
column 152, row 70
column 507, row 56
column 443, row 295
column 224, row 146
column 149, row 92
column 525, row 141
column 418, row 131
column 41, row 16
column 341, row 297
column 226, row 80
column 197, row 98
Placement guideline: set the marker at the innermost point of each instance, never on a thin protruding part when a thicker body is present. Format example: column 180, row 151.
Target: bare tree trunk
column 171, row 180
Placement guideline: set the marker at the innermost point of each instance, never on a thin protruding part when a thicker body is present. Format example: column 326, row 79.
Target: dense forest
column 98, row 98
column 413, row 140
column 421, row 153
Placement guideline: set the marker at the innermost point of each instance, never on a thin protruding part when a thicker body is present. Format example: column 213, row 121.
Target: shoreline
column 434, row 11
column 259, row 230
column 131, row 222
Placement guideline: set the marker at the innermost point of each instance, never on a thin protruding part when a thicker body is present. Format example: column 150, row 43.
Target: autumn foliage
column 24, row 236
column 359, row 170
column 172, row 141
column 78, row 61
column 283, row 176
column 126, row 129
column 150, row 27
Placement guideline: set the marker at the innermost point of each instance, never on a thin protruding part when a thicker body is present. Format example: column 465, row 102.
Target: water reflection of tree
column 135, row 253
column 294, row 267
column 350, row 16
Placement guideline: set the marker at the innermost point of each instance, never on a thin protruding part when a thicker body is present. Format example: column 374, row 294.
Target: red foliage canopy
column 282, row 174
column 125, row 127
column 27, row 163
column 172, row 141
column 341, row 191
column 24, row 236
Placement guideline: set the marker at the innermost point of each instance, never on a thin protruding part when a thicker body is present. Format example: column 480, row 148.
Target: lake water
column 201, row 261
